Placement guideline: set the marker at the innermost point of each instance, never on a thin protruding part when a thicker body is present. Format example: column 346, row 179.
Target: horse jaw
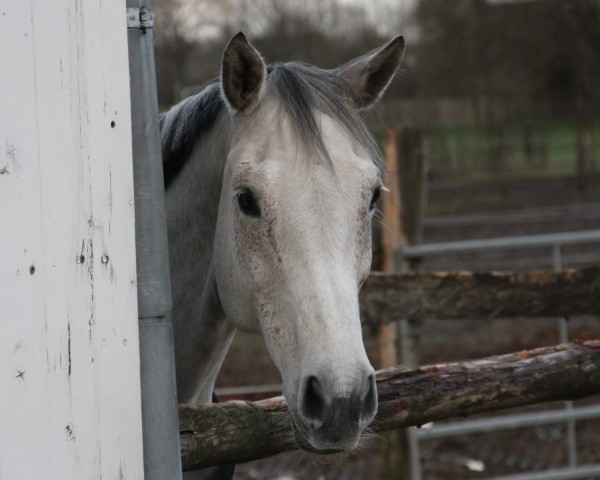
column 293, row 274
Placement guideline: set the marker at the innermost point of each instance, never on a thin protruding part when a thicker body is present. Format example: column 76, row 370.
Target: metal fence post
column 409, row 355
column 563, row 329
column 162, row 456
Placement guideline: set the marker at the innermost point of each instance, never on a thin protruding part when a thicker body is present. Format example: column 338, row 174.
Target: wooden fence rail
column 234, row 432
column 466, row 295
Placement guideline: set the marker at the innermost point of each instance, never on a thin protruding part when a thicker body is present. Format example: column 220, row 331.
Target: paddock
column 83, row 392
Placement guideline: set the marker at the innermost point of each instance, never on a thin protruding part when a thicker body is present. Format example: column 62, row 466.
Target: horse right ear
column 370, row 75
column 243, row 74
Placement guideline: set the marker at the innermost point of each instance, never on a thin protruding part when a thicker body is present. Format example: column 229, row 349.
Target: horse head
column 293, row 237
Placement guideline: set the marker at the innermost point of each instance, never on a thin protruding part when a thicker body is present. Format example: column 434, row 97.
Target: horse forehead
column 349, row 157
column 270, row 146
column 338, row 139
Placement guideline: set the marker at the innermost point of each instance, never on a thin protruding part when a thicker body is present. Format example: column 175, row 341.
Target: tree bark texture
column 466, row 295
column 235, row 432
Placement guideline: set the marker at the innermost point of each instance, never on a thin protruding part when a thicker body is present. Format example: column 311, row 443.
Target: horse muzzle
column 331, row 420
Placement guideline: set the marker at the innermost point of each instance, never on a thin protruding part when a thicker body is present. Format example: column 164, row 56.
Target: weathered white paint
column 69, row 360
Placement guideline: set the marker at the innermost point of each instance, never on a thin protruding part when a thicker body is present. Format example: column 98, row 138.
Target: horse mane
column 301, row 90
column 181, row 126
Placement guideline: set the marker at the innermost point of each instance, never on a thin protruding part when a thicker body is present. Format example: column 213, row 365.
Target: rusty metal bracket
column 142, row 18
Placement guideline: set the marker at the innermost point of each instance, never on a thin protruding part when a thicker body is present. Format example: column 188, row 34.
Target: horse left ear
column 243, row 74
column 370, row 75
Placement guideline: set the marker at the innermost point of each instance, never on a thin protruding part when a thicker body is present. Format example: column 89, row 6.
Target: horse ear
column 370, row 75
column 243, row 74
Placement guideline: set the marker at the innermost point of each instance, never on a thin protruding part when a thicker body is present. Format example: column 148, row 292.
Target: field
column 484, row 152
column 516, row 207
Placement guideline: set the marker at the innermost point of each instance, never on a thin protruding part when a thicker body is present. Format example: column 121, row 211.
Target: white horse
column 272, row 179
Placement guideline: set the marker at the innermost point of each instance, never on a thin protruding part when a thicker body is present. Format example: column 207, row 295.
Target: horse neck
column 202, row 334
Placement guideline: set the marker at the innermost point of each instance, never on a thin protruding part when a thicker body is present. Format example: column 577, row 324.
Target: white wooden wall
column 69, row 359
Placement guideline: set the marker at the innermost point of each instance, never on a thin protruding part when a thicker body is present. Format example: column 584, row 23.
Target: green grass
column 477, row 152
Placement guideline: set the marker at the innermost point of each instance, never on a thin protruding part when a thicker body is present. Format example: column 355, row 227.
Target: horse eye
column 375, row 197
column 248, row 203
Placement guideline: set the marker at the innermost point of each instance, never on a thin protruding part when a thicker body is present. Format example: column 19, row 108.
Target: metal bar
column 563, row 330
column 416, row 472
column 408, row 356
column 584, row 471
column 506, row 243
column 557, row 257
column 571, row 435
column 486, row 425
column 159, row 398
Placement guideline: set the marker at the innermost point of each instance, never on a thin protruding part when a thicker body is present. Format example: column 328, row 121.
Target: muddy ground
column 459, row 210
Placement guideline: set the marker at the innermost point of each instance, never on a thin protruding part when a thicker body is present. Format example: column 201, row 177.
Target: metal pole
column 409, row 354
column 162, row 457
column 563, row 329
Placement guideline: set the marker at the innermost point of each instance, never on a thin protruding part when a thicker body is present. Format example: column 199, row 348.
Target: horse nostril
column 333, row 415
column 369, row 405
column 313, row 403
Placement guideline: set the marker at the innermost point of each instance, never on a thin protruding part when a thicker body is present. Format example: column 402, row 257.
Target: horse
column 272, row 180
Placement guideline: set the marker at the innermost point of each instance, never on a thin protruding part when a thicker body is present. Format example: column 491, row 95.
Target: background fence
column 554, row 243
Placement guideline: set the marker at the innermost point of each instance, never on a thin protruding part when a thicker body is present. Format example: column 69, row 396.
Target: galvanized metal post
column 563, row 329
column 162, row 460
column 409, row 356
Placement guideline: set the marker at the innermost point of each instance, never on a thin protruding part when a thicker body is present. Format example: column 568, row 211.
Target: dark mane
column 301, row 90
column 181, row 126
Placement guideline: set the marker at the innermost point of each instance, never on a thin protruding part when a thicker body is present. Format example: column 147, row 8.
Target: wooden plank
column 466, row 295
column 392, row 235
column 392, row 239
column 69, row 375
column 235, row 432
column 392, row 463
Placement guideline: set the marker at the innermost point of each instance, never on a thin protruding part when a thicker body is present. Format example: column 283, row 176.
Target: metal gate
column 568, row 415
